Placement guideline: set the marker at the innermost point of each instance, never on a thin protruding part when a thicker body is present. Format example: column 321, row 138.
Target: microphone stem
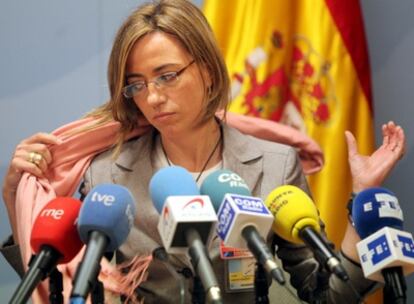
column 55, row 287
column 395, row 286
column 42, row 264
column 261, row 287
column 261, row 252
column 202, row 266
column 88, row 269
column 323, row 253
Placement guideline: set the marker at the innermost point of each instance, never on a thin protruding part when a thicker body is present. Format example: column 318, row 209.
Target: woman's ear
column 205, row 73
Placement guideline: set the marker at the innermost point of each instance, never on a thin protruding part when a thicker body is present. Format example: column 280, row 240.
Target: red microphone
column 54, row 239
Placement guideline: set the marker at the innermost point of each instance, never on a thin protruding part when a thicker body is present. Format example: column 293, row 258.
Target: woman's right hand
column 22, row 162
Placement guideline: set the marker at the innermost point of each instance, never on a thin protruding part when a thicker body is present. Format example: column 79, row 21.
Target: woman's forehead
column 155, row 50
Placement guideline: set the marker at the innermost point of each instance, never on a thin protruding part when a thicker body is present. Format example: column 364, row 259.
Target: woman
column 166, row 66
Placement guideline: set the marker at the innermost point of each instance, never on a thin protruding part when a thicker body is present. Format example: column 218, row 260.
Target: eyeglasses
column 139, row 88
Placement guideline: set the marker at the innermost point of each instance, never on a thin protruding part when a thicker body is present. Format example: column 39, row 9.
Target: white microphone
column 187, row 222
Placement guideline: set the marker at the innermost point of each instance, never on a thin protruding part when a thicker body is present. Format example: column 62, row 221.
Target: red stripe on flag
column 347, row 16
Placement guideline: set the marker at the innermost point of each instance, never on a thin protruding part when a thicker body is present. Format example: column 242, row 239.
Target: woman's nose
column 155, row 96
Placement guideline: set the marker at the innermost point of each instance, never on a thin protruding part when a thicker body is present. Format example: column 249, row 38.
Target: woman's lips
column 163, row 116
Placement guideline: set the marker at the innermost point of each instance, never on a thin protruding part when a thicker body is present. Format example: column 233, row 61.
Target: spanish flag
column 303, row 63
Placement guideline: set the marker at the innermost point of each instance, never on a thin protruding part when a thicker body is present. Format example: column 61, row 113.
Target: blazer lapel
column 133, row 169
column 241, row 156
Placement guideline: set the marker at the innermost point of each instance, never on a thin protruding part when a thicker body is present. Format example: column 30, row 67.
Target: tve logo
column 225, row 218
column 106, row 199
column 232, row 179
column 54, row 213
column 379, row 249
column 250, row 204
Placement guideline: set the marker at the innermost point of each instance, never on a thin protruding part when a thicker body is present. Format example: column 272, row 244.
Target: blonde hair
column 184, row 21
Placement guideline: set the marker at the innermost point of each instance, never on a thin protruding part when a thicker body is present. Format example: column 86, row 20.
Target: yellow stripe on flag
column 289, row 62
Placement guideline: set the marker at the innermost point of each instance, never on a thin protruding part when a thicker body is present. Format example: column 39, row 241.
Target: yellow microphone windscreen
column 293, row 210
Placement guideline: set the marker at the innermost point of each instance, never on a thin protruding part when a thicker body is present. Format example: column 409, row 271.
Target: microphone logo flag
column 180, row 212
column 251, row 204
column 407, row 246
column 388, row 247
column 196, row 203
column 236, row 212
column 225, row 219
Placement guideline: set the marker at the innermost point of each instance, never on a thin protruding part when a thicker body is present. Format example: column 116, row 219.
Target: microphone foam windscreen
column 219, row 183
column 171, row 181
column 376, row 208
column 293, row 210
column 109, row 209
column 56, row 226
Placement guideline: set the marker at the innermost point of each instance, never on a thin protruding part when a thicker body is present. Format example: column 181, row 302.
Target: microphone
column 385, row 251
column 54, row 240
column 244, row 221
column 105, row 219
column 187, row 222
column 297, row 221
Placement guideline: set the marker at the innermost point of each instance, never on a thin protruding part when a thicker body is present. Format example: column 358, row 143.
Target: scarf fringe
column 127, row 277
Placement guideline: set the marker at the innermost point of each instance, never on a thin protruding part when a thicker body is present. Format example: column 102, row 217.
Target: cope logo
column 106, row 199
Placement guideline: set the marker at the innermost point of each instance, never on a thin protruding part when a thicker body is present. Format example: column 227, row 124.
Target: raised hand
column 371, row 171
column 31, row 155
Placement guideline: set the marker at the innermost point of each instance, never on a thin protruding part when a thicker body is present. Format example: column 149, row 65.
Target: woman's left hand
column 371, row 171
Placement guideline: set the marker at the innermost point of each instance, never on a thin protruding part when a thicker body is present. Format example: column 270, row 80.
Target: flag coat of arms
column 303, row 63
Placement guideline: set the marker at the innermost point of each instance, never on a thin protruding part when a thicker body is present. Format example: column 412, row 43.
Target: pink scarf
column 72, row 158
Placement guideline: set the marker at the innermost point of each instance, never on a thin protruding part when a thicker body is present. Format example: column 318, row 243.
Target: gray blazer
column 264, row 166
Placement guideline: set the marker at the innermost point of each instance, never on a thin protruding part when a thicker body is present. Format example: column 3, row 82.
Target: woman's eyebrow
column 155, row 70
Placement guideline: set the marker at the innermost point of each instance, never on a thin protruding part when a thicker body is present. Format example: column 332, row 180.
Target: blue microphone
column 374, row 209
column 105, row 220
column 386, row 252
column 187, row 221
column 171, row 181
